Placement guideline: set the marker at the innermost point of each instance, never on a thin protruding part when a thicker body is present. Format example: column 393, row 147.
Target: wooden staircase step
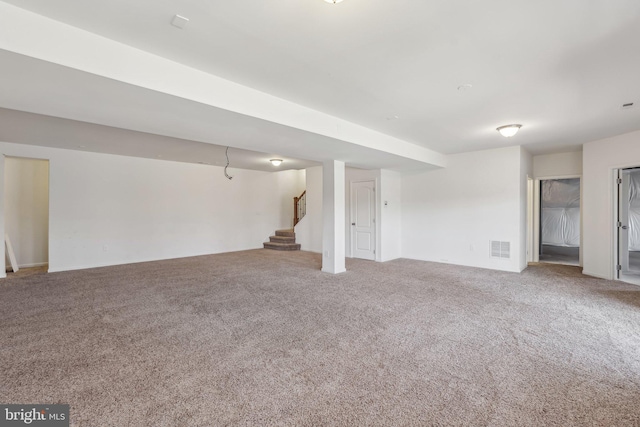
column 282, row 246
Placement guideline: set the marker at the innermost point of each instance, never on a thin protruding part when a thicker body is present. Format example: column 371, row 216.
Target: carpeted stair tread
column 282, row 239
column 285, row 233
column 282, row 246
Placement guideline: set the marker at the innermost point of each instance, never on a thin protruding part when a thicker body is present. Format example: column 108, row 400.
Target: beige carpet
column 264, row 338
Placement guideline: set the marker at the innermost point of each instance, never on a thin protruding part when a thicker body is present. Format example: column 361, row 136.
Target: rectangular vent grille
column 500, row 249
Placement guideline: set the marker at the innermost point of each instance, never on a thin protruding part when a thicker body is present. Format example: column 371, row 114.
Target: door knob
column 353, row 223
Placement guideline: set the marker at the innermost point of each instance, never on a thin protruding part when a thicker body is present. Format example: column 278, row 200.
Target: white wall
column 286, row 185
column 450, row 215
column 107, row 210
column 600, row 159
column 390, row 215
column 27, row 209
column 557, row 165
column 309, row 229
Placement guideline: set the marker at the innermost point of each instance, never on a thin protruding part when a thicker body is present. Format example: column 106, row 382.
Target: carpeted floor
column 560, row 255
column 264, row 338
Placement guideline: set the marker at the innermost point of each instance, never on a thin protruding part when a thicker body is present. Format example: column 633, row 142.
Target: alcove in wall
column 26, row 212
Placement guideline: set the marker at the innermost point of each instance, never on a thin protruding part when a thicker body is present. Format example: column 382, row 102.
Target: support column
column 333, row 215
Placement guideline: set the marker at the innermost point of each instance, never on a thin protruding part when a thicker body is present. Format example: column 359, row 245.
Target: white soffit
column 35, row 129
column 73, row 51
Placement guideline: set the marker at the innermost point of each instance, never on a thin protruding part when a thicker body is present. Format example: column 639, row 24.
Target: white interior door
column 363, row 221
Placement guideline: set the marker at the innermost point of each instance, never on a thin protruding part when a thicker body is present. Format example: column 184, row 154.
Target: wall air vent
column 500, row 249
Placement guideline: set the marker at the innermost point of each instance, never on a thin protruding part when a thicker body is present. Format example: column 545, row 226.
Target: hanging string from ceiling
column 226, row 153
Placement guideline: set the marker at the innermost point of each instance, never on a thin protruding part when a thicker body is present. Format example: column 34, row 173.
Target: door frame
column 530, row 215
column 615, row 173
column 376, row 217
column 537, row 214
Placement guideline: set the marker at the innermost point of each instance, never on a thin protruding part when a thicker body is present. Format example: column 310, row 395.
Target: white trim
column 536, row 220
column 599, row 276
column 529, row 247
column 614, row 174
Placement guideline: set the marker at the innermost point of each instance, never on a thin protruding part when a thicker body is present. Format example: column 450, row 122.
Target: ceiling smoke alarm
column 179, row 21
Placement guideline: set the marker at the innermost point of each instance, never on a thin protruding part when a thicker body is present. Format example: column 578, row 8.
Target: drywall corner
column 390, row 215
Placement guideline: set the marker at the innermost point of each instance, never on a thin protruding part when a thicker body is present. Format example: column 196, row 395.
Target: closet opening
column 560, row 221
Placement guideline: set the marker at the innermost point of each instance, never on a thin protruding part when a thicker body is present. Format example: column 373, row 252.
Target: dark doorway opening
column 560, row 221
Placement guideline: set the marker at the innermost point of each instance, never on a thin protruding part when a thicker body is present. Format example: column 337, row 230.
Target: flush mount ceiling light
column 508, row 130
column 276, row 162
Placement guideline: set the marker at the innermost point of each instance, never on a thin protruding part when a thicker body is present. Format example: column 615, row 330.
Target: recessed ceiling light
column 276, row 162
column 179, row 21
column 333, row 1
column 508, row 130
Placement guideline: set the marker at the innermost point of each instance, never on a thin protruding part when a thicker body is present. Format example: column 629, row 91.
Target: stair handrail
column 299, row 207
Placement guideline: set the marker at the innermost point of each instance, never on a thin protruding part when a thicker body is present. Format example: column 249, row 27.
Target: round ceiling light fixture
column 508, row 130
column 276, row 162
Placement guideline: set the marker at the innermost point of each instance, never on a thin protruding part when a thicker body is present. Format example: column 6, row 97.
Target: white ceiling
column 561, row 68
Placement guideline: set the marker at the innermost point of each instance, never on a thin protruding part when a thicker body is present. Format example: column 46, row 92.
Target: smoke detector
column 179, row 21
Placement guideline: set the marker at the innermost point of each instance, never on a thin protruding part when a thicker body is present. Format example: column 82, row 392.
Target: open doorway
column 560, row 221
column 26, row 213
column 628, row 224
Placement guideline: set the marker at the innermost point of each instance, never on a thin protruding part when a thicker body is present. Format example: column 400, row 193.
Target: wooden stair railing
column 299, row 207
